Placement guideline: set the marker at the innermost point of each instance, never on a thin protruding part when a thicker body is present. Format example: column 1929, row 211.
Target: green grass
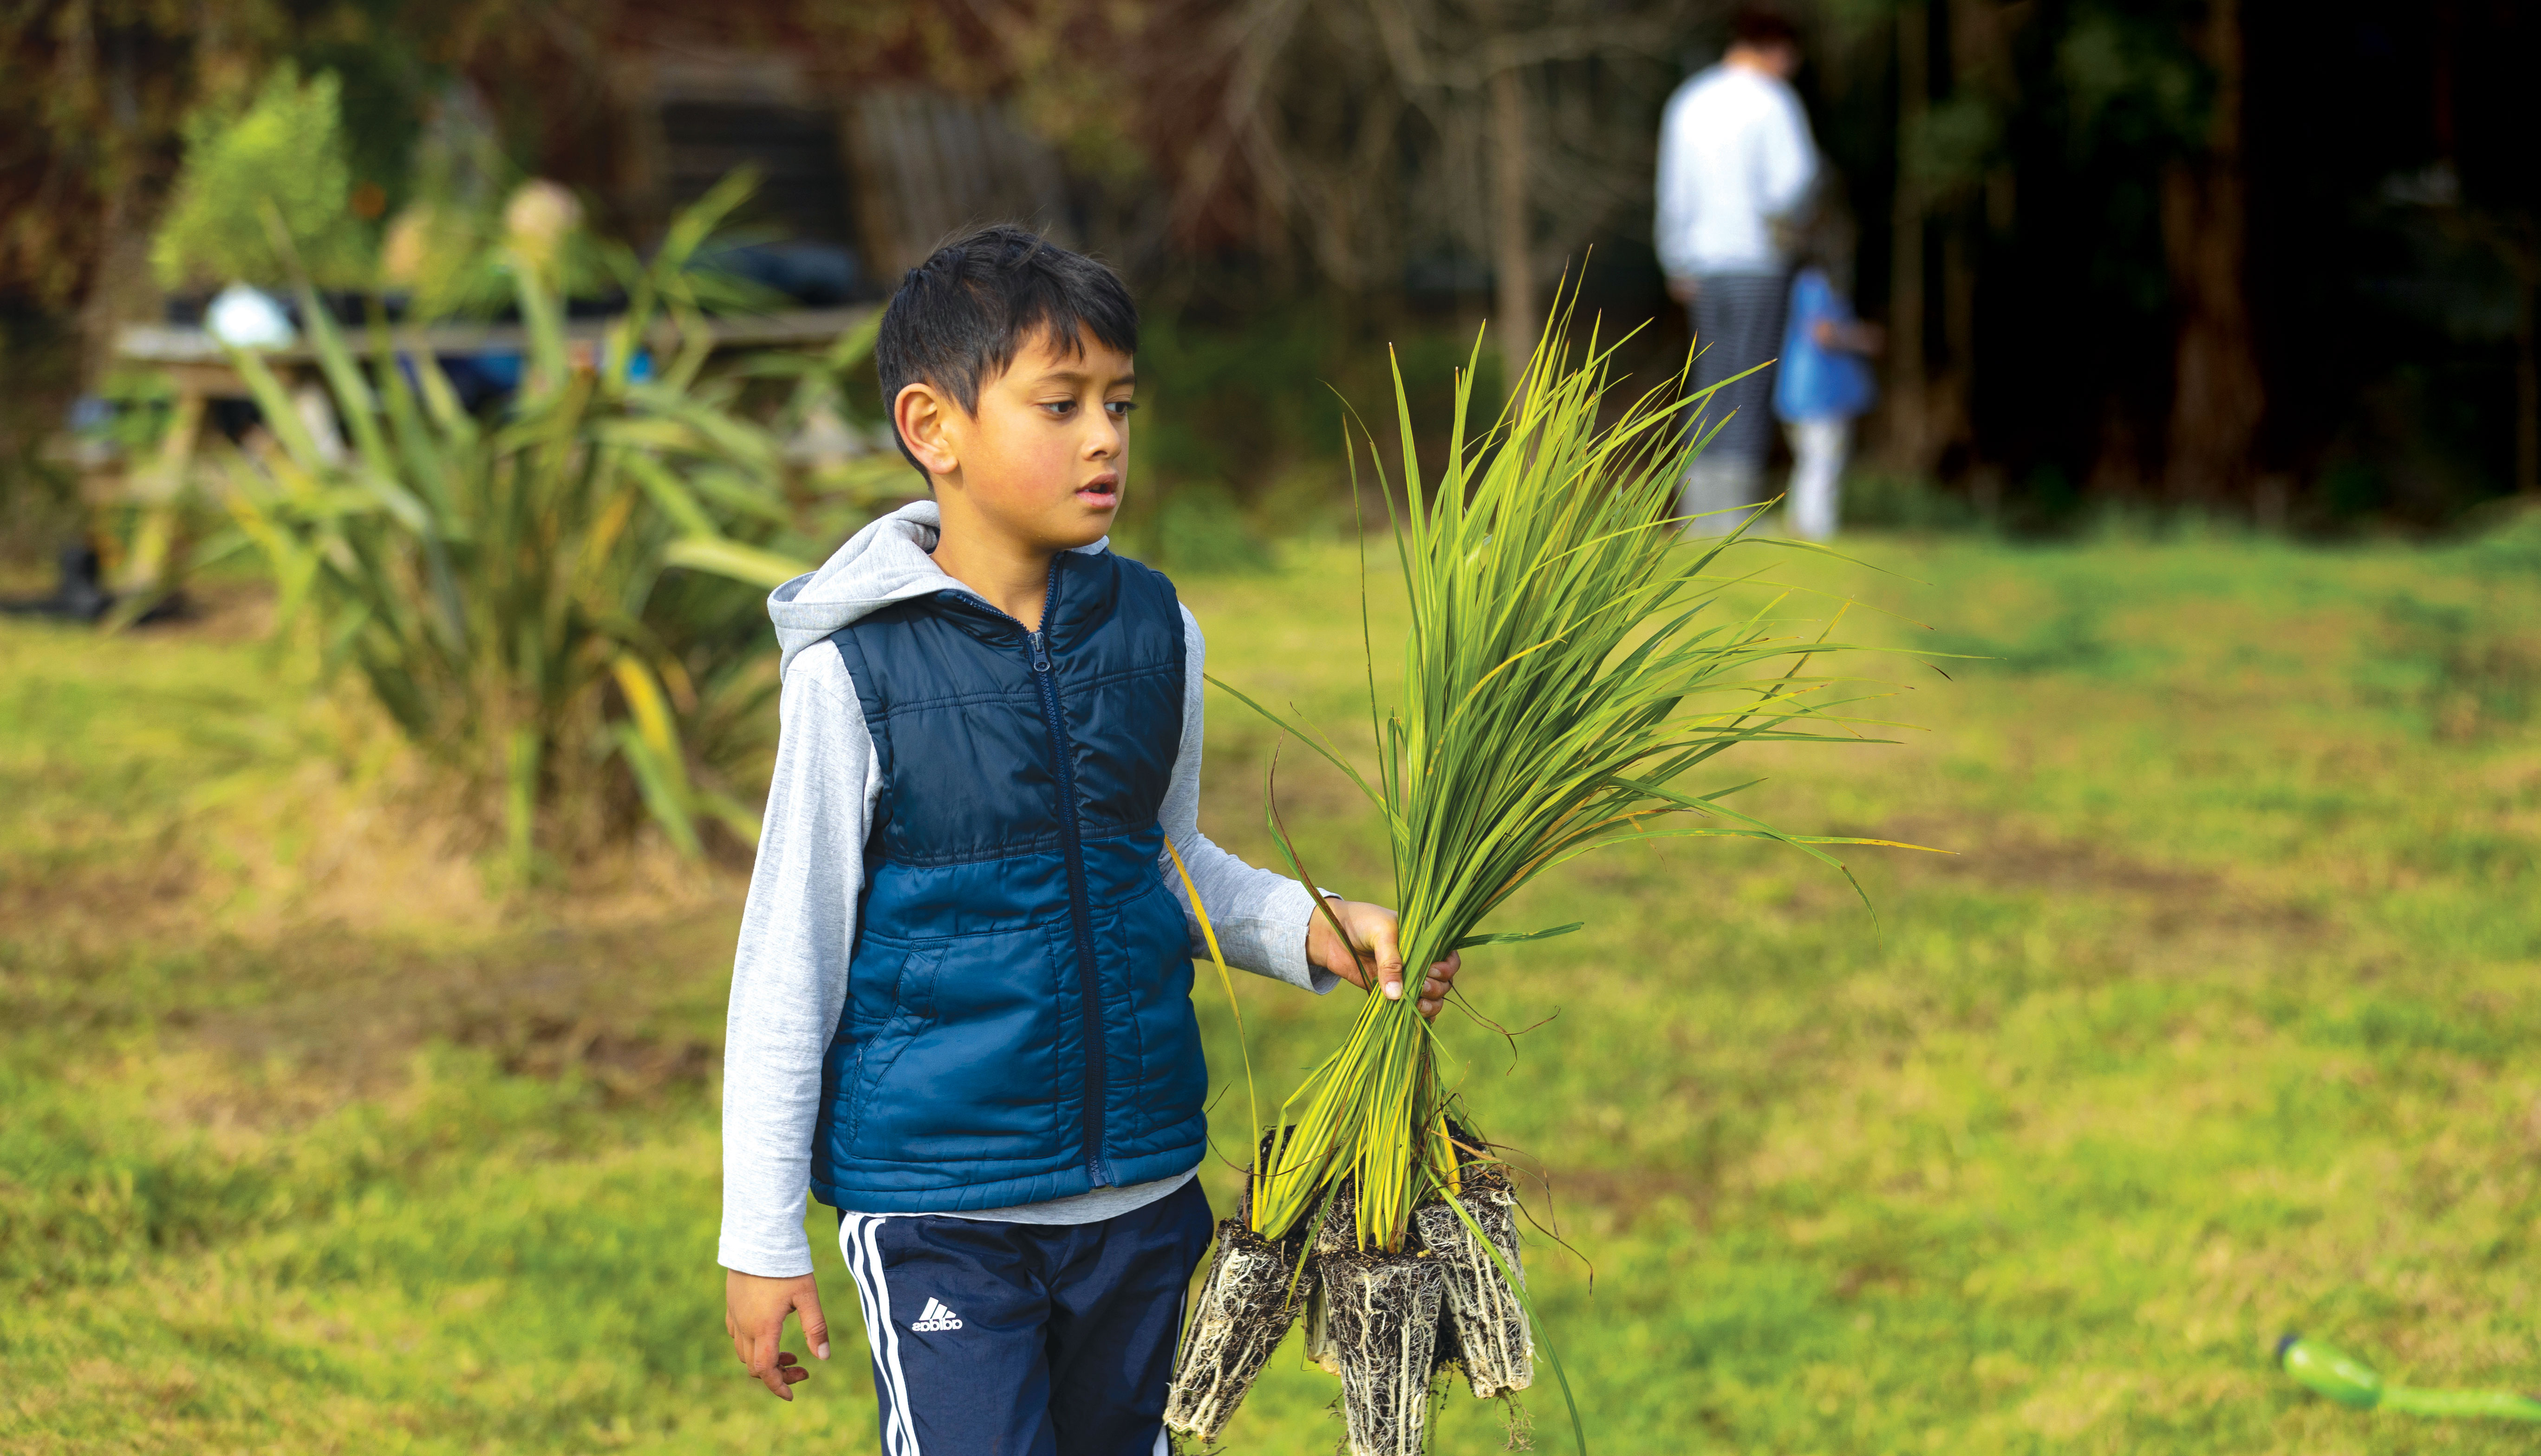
column 2222, row 1022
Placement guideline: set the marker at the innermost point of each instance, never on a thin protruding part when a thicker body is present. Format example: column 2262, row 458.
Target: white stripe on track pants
column 1025, row 1339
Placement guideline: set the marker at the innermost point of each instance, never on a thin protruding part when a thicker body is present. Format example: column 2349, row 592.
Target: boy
column 961, row 1005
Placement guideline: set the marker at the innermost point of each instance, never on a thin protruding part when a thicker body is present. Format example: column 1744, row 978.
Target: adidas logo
column 937, row 1317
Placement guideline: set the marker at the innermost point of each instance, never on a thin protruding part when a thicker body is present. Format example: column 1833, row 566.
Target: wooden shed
column 884, row 168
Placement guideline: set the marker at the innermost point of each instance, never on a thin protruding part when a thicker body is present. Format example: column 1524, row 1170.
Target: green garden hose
column 2329, row 1371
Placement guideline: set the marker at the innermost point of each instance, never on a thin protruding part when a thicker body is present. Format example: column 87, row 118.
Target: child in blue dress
column 1824, row 381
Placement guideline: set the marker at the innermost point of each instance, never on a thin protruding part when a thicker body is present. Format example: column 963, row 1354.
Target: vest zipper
column 1080, row 906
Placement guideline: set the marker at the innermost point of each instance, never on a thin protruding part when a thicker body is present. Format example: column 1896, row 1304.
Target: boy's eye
column 1120, row 408
column 1059, row 409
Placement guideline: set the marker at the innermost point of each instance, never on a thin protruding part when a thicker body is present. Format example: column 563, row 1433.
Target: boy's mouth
column 1100, row 492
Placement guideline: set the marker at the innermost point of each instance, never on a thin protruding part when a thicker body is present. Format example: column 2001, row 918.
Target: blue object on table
column 811, row 275
column 477, row 379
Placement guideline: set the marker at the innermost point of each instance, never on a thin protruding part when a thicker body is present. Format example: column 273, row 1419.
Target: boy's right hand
column 754, row 1315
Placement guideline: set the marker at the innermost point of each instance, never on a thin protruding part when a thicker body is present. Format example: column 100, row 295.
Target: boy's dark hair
column 1761, row 28
column 961, row 317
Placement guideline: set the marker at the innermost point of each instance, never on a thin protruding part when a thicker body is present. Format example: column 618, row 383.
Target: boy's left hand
column 1373, row 936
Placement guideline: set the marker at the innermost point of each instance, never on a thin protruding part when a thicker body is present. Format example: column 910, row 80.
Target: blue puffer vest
column 1019, row 1023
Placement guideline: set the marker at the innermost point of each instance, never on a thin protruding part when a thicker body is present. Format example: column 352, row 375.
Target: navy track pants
column 1025, row 1339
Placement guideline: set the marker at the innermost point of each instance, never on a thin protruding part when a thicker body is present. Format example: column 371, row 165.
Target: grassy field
column 2222, row 1020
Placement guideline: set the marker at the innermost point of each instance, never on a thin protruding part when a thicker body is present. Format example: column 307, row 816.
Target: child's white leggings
column 1817, row 471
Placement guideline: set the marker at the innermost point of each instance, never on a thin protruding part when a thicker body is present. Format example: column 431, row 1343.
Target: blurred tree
column 2216, row 395
column 1908, row 407
column 1473, row 72
column 1364, row 136
column 94, row 100
column 1955, row 91
column 2488, row 178
column 279, row 161
column 91, row 94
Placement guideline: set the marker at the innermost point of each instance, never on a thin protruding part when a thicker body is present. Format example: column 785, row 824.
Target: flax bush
column 559, row 601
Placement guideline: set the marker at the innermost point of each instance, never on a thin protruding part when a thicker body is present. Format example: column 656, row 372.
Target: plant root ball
column 1336, row 1234
column 1244, row 1309
column 1491, row 1337
column 1382, row 1311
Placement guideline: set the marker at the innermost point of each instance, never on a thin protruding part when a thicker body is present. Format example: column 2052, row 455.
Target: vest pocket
column 970, row 1076
column 910, row 976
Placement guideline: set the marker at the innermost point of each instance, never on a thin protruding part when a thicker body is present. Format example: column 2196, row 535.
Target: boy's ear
column 925, row 418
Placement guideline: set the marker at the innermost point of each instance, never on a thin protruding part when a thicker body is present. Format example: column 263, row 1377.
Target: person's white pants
column 1817, row 473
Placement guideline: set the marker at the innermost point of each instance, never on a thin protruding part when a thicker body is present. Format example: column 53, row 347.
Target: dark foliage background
column 2253, row 257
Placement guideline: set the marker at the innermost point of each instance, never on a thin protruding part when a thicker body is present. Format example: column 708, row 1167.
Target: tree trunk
column 121, row 288
column 1512, row 251
column 1946, row 396
column 1978, row 70
column 1905, row 381
column 2527, row 383
column 2217, row 393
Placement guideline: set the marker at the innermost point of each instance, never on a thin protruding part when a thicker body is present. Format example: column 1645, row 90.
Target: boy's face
column 1043, row 460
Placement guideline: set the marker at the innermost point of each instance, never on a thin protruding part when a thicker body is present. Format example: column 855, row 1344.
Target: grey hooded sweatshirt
column 789, row 976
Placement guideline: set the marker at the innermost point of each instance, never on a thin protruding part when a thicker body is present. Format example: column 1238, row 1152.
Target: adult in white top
column 1736, row 165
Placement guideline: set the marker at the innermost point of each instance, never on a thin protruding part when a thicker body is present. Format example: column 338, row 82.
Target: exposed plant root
column 1382, row 1311
column 1519, row 1423
column 1389, row 1325
column 1448, row 1351
column 1254, row 1292
column 1244, row 1309
column 1492, row 1335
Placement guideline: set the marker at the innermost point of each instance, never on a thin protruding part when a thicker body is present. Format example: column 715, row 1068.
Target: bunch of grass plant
column 1570, row 657
column 561, row 601
column 1569, row 661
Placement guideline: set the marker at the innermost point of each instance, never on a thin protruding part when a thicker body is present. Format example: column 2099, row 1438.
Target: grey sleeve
column 1261, row 917
column 789, row 976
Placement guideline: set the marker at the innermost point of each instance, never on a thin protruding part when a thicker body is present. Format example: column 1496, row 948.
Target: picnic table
column 197, row 366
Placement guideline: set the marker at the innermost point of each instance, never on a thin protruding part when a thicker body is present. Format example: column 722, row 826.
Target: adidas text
column 937, row 1317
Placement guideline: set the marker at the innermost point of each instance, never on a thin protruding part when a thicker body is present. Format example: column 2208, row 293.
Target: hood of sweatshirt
column 884, row 562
